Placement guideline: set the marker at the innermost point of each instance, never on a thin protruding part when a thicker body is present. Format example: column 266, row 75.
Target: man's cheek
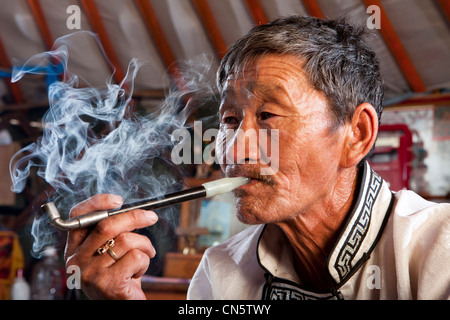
column 220, row 150
column 269, row 146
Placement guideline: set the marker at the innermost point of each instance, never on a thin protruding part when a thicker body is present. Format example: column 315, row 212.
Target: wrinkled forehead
column 252, row 64
column 267, row 76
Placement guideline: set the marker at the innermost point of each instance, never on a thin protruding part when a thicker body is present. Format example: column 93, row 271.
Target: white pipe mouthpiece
column 224, row 185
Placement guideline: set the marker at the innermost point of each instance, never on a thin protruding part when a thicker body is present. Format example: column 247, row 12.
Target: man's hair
column 334, row 55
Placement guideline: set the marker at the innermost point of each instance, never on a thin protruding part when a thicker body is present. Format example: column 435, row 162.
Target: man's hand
column 102, row 277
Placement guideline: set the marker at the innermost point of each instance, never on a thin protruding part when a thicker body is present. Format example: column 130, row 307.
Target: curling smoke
column 93, row 144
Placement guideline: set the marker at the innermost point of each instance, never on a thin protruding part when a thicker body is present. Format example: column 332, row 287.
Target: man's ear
column 361, row 135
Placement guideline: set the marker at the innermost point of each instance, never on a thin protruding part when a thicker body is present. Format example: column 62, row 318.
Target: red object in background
column 392, row 155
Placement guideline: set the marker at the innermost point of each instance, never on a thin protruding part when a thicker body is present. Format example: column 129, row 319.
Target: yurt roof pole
column 5, row 63
column 398, row 51
column 155, row 30
column 39, row 17
column 313, row 8
column 257, row 12
column 98, row 27
column 209, row 23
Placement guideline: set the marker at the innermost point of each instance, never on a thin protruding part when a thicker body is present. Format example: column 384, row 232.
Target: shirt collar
column 354, row 244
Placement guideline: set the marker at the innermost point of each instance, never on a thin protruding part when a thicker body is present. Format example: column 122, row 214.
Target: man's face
column 274, row 93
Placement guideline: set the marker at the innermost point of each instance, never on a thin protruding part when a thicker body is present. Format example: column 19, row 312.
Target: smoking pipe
column 206, row 190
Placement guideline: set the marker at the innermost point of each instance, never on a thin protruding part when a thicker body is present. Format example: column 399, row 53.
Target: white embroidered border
column 359, row 229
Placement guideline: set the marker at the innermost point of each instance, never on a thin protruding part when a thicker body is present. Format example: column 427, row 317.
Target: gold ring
column 109, row 244
column 113, row 254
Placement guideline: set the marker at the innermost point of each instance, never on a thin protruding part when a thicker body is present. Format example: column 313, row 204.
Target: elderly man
column 324, row 225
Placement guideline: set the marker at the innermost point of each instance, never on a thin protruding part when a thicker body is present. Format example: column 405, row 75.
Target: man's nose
column 245, row 147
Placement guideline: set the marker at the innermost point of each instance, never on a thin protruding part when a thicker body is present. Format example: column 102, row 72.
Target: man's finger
column 98, row 202
column 124, row 242
column 112, row 227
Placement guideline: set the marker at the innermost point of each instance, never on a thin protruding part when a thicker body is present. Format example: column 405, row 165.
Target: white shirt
column 394, row 246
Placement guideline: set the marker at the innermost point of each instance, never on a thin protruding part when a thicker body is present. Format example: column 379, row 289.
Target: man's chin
column 252, row 201
column 249, row 213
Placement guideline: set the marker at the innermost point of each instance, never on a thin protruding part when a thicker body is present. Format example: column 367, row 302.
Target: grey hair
column 334, row 55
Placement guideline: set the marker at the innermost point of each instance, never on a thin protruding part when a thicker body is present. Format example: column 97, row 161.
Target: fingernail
column 152, row 216
column 116, row 200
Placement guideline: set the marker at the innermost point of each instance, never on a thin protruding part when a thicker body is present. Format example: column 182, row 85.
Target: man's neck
column 313, row 235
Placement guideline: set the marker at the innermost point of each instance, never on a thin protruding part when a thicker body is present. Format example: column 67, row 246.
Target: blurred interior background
column 410, row 37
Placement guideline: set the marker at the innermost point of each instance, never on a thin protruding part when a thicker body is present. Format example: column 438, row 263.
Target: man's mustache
column 249, row 171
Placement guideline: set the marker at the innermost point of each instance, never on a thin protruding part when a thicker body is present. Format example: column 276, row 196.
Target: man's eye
column 230, row 120
column 266, row 115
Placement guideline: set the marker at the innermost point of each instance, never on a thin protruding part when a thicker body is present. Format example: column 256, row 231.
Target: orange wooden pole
column 257, row 12
column 13, row 87
column 97, row 25
column 398, row 51
column 41, row 22
column 157, row 34
column 313, row 8
column 210, row 25
column 445, row 6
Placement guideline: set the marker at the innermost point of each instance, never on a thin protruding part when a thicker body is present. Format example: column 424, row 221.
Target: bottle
column 20, row 289
column 47, row 282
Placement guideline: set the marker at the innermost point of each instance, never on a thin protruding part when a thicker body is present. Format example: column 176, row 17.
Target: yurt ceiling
column 103, row 36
